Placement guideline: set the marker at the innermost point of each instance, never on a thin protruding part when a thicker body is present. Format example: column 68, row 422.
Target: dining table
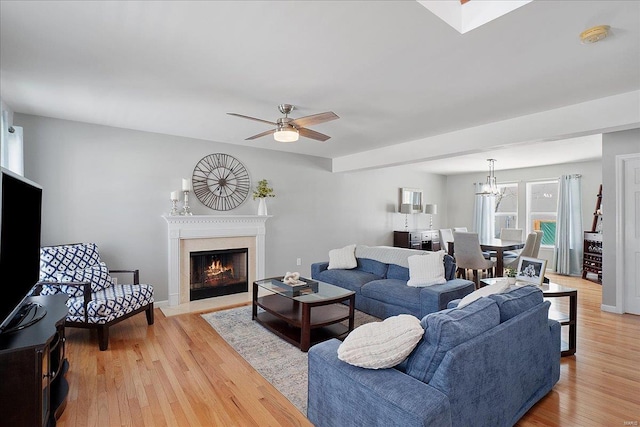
column 497, row 245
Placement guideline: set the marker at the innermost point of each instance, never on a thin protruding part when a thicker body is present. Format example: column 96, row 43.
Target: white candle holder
column 186, row 210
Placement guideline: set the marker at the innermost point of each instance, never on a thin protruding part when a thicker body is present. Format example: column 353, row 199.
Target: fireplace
column 218, row 272
column 197, row 233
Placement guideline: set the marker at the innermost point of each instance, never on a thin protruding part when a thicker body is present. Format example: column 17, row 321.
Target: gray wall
column 112, row 186
column 461, row 206
column 613, row 144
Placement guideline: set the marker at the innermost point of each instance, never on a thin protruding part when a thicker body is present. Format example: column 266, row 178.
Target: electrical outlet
column 299, row 261
column 115, row 280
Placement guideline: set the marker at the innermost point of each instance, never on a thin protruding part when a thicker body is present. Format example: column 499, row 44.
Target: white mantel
column 207, row 227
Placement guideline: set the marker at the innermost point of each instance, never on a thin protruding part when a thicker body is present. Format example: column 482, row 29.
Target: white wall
column 613, row 144
column 112, row 186
column 461, row 188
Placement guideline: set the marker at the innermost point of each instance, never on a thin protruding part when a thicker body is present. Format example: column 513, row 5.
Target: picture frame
column 531, row 270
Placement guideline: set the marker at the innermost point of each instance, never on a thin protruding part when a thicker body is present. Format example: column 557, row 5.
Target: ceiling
column 578, row 149
column 393, row 71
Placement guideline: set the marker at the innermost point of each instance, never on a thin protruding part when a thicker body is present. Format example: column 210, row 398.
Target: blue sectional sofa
column 380, row 283
column 485, row 364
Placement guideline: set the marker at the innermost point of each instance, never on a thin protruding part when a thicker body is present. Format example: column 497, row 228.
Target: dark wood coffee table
column 306, row 319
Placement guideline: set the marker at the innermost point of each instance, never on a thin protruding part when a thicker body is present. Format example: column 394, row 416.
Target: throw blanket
column 387, row 254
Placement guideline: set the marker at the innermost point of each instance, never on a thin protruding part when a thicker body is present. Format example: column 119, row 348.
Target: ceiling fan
column 288, row 129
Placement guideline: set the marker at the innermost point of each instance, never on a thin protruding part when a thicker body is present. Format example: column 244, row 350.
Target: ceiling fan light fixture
column 287, row 134
column 288, row 129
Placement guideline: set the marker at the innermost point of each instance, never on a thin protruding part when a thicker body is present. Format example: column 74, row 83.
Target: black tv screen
column 20, row 216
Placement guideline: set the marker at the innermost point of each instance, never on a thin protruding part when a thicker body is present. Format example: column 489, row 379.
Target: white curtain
column 11, row 146
column 569, row 231
column 484, row 215
column 4, row 138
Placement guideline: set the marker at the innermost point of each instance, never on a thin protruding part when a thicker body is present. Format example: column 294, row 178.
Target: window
column 506, row 211
column 542, row 207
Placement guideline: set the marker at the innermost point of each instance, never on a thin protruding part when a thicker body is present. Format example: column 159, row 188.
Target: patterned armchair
column 95, row 301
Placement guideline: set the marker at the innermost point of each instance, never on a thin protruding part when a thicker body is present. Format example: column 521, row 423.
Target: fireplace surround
column 197, row 233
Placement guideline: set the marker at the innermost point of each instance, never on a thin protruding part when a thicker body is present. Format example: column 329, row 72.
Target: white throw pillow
column 427, row 269
column 497, row 288
column 381, row 345
column 344, row 258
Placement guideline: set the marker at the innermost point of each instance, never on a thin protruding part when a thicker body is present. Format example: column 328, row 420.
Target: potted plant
column 510, row 274
column 261, row 192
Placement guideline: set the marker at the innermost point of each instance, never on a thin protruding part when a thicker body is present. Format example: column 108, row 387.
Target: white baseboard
column 160, row 304
column 610, row 309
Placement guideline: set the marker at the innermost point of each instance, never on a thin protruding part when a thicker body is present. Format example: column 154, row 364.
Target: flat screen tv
column 20, row 223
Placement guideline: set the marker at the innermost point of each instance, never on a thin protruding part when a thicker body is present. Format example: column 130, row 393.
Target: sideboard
column 426, row 240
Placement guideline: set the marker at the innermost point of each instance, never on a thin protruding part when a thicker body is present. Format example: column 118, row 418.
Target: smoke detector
column 594, row 34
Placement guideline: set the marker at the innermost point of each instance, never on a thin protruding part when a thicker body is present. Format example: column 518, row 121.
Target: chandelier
column 490, row 188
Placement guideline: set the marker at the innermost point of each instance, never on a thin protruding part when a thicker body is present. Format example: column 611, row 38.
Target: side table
column 570, row 319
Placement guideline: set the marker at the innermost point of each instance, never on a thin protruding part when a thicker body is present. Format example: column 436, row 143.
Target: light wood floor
column 179, row 372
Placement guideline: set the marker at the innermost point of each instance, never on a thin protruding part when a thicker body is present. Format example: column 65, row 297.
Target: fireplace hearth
column 218, row 272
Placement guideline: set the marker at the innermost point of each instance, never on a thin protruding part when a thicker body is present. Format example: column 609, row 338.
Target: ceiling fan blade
column 265, row 133
column 314, row 119
column 252, row 118
column 308, row 133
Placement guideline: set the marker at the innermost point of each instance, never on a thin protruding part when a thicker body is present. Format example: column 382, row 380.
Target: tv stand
column 33, row 365
column 29, row 313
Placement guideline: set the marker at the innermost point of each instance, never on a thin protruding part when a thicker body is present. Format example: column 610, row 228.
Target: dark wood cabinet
column 592, row 259
column 426, row 240
column 33, row 388
column 592, row 250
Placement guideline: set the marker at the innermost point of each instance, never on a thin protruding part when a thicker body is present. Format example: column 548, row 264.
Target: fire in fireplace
column 219, row 272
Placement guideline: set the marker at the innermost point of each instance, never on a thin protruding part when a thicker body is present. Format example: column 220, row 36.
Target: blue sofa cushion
column 348, row 279
column 398, row 272
column 435, row 298
column 517, row 301
column 372, row 266
column 393, row 291
column 449, row 267
column 447, row 329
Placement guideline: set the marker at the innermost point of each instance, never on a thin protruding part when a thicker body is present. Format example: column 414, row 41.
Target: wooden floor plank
column 180, row 372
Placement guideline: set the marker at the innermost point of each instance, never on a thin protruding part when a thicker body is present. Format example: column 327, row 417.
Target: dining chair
column 468, row 256
column 446, row 236
column 527, row 251
column 512, row 234
column 536, row 248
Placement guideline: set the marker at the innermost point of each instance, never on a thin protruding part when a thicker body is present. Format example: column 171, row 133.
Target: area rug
column 263, row 349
